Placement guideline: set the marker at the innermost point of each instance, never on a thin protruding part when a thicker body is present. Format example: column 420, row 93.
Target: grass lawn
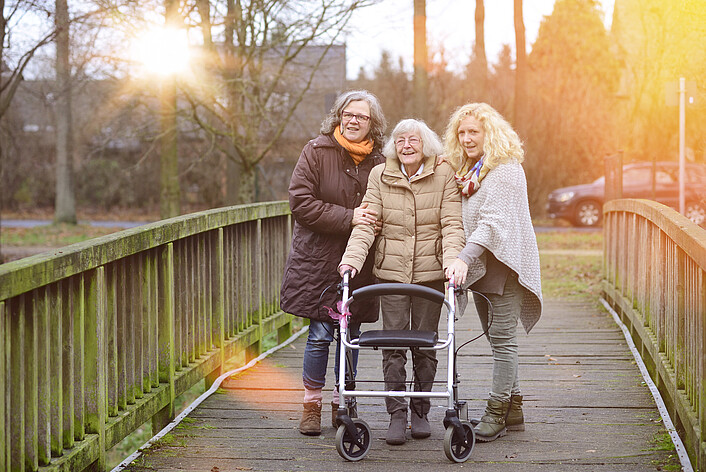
column 569, row 276
column 54, row 235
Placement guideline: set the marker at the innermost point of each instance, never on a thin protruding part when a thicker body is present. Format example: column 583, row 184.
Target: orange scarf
column 358, row 151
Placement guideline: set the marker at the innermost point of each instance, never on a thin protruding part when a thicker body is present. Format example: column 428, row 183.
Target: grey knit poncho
column 497, row 217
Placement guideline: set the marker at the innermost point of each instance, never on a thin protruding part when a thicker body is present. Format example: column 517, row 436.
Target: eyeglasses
column 413, row 141
column 349, row 116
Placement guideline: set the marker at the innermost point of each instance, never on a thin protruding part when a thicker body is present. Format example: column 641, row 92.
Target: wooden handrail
column 654, row 276
column 103, row 335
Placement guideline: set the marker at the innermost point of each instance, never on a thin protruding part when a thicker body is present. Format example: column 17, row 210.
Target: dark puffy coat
column 326, row 186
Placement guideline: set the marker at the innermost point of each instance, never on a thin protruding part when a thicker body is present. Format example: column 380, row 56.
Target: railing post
column 95, row 351
column 166, row 335
column 31, row 397
column 57, row 369
column 217, row 303
column 148, row 330
column 68, row 359
column 44, row 380
column 79, row 340
column 4, row 443
column 259, row 257
column 14, row 343
column 702, row 373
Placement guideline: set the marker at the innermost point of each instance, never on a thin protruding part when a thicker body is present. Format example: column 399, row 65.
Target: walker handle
column 411, row 290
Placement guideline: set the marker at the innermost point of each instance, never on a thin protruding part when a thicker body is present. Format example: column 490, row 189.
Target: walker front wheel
column 458, row 448
column 353, row 448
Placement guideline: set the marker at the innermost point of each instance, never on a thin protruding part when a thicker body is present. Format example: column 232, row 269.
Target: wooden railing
column 655, row 279
column 101, row 336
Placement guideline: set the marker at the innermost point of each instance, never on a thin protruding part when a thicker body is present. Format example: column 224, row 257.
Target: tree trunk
column 520, row 67
column 246, row 184
column 479, row 51
column 64, row 206
column 421, row 59
column 2, row 42
column 169, row 204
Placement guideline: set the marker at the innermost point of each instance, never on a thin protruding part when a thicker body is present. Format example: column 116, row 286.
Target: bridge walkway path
column 586, row 408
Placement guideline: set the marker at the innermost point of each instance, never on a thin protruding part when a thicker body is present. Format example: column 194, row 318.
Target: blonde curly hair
column 501, row 143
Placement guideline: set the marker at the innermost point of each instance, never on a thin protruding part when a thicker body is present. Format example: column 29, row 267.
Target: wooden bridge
column 102, row 336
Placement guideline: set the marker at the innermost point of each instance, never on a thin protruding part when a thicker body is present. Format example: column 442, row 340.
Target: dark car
column 582, row 204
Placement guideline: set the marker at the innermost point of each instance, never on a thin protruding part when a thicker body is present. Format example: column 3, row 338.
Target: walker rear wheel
column 456, row 448
column 353, row 448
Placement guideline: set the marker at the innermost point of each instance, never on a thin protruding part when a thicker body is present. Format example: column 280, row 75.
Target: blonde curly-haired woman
column 500, row 260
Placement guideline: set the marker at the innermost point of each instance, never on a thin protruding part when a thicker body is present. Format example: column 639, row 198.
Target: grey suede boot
column 515, row 419
column 420, row 425
column 492, row 425
column 396, row 430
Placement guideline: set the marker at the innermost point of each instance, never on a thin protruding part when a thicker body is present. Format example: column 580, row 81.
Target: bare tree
column 421, row 60
column 262, row 57
column 65, row 206
column 479, row 57
column 520, row 66
column 169, row 200
column 11, row 69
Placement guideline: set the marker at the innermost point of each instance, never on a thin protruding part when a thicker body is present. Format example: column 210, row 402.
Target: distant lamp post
column 164, row 53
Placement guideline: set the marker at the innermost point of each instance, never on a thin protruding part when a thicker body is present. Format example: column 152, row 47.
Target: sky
column 450, row 24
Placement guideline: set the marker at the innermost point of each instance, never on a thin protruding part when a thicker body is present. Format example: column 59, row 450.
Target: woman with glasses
column 501, row 250
column 325, row 195
column 421, row 235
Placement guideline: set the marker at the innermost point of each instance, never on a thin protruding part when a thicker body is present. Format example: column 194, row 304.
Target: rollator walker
column 353, row 436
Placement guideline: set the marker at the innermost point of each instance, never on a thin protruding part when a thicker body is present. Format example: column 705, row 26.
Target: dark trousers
column 404, row 312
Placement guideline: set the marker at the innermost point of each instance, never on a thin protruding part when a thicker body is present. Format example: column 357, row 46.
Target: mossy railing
column 655, row 279
column 101, row 336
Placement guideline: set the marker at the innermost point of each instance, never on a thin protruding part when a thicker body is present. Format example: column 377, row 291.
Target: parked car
column 582, row 204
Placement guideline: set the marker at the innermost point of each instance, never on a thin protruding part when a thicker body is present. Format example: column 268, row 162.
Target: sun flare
column 162, row 51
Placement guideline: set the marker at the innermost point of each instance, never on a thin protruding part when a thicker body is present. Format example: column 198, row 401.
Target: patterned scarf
column 358, row 151
column 468, row 180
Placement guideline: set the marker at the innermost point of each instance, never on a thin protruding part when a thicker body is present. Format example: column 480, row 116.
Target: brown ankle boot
column 311, row 419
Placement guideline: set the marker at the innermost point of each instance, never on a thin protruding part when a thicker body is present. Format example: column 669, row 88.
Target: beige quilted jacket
column 422, row 230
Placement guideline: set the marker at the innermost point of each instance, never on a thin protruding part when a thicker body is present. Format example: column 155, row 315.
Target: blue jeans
column 316, row 353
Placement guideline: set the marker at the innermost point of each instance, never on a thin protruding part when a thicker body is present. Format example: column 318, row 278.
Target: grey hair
column 431, row 143
column 378, row 124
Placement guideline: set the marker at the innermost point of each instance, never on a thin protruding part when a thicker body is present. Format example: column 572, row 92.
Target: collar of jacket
column 393, row 173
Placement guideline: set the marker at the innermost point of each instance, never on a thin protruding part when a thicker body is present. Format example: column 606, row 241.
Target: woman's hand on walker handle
column 458, row 270
column 345, row 267
column 364, row 216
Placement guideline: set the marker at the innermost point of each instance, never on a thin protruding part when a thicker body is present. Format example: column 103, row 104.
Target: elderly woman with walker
column 421, row 235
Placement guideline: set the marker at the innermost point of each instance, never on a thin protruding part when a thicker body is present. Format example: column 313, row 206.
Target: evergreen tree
column 571, row 94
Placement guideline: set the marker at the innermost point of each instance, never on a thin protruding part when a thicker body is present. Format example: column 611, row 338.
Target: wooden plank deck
column 586, row 409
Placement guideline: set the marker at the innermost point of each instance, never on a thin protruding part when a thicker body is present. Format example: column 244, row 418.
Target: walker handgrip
column 411, row 290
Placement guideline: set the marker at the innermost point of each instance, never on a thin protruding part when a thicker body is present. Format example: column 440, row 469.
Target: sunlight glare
column 163, row 51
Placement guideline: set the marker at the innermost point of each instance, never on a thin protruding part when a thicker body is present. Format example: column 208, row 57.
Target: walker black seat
column 397, row 338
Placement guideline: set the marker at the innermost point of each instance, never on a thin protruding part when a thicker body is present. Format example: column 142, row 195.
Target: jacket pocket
column 379, row 252
column 439, row 252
